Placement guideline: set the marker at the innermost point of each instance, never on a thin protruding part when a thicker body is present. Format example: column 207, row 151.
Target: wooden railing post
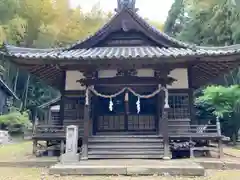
column 220, row 145
column 34, row 132
column 86, row 119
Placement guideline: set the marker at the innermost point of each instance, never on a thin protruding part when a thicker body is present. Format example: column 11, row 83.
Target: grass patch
column 18, row 151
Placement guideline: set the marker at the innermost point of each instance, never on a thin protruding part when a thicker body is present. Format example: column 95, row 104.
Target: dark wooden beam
column 127, row 80
column 86, row 127
column 115, row 64
column 206, row 69
column 76, row 93
column 165, row 128
column 191, row 96
column 62, row 90
column 36, row 68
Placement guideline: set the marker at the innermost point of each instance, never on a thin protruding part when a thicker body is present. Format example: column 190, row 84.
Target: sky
column 156, row 10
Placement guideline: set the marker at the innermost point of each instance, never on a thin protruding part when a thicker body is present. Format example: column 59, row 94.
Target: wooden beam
column 51, row 75
column 35, row 68
column 86, row 131
column 165, row 134
column 127, row 80
column 62, row 103
column 190, row 94
column 114, row 64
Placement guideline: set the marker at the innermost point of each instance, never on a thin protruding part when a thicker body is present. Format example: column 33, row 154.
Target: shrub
column 15, row 121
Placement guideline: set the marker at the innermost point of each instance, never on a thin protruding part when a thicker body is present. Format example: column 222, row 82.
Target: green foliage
column 42, row 24
column 211, row 23
column 15, row 121
column 175, row 15
column 219, row 98
column 205, row 22
column 223, row 102
column 7, row 10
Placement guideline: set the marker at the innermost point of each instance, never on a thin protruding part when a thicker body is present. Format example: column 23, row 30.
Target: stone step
column 125, row 152
column 126, row 146
column 131, row 151
column 126, row 136
column 125, row 156
column 125, row 140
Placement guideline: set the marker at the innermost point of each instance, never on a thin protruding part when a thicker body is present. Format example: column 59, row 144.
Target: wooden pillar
column 160, row 105
column 191, row 96
column 86, row 127
column 165, row 127
column 165, row 134
column 126, row 110
column 62, row 104
column 220, row 145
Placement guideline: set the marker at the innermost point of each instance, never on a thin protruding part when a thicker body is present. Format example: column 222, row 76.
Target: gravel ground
column 42, row 174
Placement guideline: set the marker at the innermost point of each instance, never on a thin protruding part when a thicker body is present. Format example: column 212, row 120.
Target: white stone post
column 71, row 151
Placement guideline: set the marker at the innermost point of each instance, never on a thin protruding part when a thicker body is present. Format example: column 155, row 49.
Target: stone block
column 87, row 170
column 174, row 171
column 211, row 164
column 69, row 158
column 71, row 155
column 232, row 165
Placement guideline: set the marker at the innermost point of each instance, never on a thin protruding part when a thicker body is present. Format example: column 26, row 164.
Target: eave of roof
column 141, row 52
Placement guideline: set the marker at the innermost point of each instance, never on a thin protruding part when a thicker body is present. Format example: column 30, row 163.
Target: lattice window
column 73, row 109
column 179, row 106
column 110, row 123
column 141, row 122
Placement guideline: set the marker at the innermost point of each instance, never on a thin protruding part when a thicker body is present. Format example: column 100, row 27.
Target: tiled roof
column 137, row 18
column 120, row 52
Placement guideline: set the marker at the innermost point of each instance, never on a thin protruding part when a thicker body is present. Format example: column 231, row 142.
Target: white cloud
column 156, row 10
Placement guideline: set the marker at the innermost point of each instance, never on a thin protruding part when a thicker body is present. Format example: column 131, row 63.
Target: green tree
column 175, row 16
column 15, row 121
column 211, row 23
column 225, row 102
